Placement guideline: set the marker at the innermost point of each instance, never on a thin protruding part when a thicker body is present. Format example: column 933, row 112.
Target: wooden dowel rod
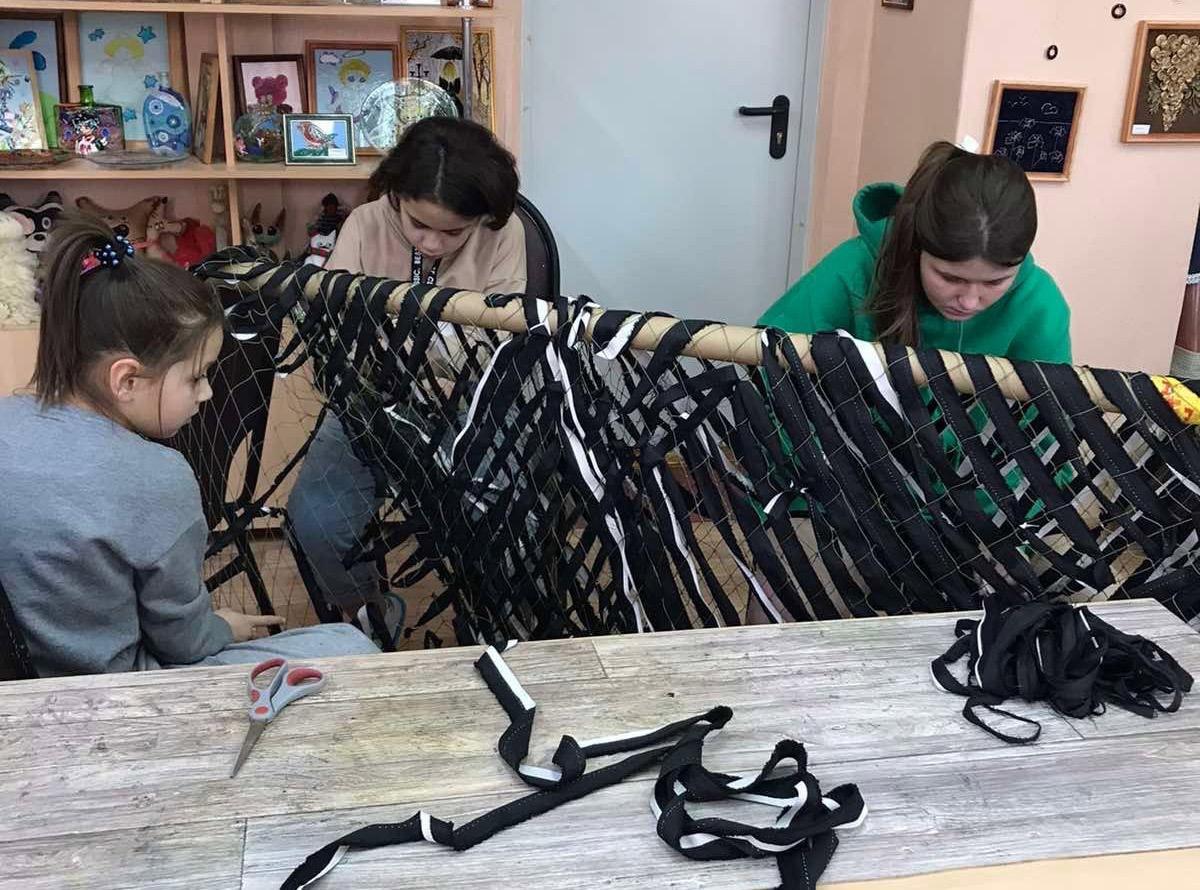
column 719, row 343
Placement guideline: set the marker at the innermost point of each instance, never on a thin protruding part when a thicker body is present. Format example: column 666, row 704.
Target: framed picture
column 279, row 80
column 318, row 139
column 436, row 55
column 205, row 113
column 1163, row 104
column 900, row 4
column 121, row 54
column 20, row 106
column 42, row 35
column 1036, row 126
column 341, row 74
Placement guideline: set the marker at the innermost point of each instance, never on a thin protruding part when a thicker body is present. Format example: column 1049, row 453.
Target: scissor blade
column 252, row 734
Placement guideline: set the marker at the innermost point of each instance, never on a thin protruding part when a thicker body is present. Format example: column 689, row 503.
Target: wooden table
column 120, row 781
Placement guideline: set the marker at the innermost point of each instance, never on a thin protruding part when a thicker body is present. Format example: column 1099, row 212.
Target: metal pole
column 468, row 85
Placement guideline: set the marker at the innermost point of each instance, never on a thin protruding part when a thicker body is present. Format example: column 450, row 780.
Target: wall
column 890, row 85
column 915, row 77
column 1118, row 235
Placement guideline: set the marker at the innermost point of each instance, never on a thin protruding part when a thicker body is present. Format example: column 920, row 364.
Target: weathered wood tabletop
column 122, row 781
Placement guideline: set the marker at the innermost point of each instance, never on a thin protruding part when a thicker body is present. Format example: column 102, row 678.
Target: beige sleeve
column 508, row 273
column 347, row 250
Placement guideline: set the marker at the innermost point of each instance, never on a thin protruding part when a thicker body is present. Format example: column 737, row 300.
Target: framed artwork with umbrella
column 436, row 55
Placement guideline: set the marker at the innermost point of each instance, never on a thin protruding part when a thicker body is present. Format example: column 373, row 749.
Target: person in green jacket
column 943, row 263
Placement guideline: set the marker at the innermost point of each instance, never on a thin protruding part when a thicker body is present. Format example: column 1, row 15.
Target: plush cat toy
column 265, row 237
column 36, row 219
column 132, row 221
column 18, row 283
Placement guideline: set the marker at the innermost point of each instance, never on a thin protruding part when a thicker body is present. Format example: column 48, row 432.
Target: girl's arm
column 174, row 607
column 346, row 255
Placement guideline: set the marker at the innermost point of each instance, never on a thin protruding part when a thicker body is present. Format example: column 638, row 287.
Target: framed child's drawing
column 1035, row 126
column 341, row 74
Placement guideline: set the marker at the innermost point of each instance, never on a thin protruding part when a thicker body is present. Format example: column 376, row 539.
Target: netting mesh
column 590, row 472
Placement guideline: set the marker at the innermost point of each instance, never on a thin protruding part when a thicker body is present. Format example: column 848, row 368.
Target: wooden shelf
column 192, row 168
column 289, row 9
column 245, row 170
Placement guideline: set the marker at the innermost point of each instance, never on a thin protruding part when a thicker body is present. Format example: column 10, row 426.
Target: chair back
column 541, row 251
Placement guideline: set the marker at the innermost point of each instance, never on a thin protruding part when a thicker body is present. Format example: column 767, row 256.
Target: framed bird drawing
column 318, row 139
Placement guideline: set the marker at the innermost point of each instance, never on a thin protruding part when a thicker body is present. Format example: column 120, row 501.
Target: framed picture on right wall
column 1163, row 104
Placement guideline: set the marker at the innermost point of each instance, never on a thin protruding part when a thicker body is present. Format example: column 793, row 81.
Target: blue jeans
column 330, row 506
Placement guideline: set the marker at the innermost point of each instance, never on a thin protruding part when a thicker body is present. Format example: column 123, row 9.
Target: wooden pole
column 718, row 343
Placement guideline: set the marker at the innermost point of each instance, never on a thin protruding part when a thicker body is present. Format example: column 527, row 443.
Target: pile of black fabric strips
column 802, row 840
column 1062, row 654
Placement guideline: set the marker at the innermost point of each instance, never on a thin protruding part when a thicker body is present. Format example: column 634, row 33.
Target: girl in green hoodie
column 943, row 263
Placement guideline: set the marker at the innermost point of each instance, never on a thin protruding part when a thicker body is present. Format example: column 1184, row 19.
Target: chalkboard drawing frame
column 1045, row 133
column 1145, row 116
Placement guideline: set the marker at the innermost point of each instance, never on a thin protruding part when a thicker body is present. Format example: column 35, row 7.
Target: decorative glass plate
column 133, row 160
column 393, row 107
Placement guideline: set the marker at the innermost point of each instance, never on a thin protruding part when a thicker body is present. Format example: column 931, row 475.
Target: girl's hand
column 244, row 626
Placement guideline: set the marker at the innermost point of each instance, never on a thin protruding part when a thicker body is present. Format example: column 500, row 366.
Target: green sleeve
column 824, row 299
column 1047, row 336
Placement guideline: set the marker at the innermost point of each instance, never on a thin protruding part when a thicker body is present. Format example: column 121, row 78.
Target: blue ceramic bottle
column 167, row 119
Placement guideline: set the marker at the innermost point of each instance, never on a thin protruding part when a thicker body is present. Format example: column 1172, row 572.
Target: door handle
column 777, row 111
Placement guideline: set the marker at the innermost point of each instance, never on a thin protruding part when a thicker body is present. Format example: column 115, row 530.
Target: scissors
column 270, row 696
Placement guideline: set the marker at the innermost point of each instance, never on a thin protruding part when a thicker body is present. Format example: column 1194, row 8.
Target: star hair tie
column 109, row 255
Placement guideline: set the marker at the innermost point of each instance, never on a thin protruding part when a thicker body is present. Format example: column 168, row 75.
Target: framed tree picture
column 1035, row 126
column 436, row 55
column 1163, row 103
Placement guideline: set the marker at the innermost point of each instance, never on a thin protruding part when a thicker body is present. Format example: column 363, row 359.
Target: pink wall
column 915, row 77
column 1117, row 237
column 845, row 79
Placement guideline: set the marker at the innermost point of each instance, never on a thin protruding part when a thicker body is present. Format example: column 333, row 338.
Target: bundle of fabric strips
column 1061, row 654
column 802, row 839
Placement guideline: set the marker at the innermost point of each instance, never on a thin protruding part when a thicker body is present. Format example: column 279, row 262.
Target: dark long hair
column 151, row 310
column 452, row 162
column 957, row 206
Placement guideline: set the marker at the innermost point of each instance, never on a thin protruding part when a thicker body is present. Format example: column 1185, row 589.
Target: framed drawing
column 205, row 113
column 121, row 54
column 318, row 139
column 20, row 105
column 341, row 74
column 436, row 55
column 42, row 35
column 1163, row 104
column 279, row 80
column 1036, row 126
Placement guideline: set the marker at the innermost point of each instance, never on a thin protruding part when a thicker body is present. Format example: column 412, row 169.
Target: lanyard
column 418, row 260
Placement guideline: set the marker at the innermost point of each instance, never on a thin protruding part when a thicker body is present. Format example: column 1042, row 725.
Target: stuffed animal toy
column 36, row 219
column 18, row 283
column 319, row 248
column 265, row 237
column 157, row 225
column 195, row 243
column 130, row 221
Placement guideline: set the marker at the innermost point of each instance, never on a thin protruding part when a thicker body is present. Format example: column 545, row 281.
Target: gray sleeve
column 175, row 608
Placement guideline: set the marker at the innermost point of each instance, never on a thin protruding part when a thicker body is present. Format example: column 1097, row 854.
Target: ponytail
column 957, row 206
column 98, row 301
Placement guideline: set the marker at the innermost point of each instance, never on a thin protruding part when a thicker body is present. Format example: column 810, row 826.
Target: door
column 661, row 196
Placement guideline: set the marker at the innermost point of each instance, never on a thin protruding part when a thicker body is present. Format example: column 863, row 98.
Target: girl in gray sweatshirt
column 102, row 536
